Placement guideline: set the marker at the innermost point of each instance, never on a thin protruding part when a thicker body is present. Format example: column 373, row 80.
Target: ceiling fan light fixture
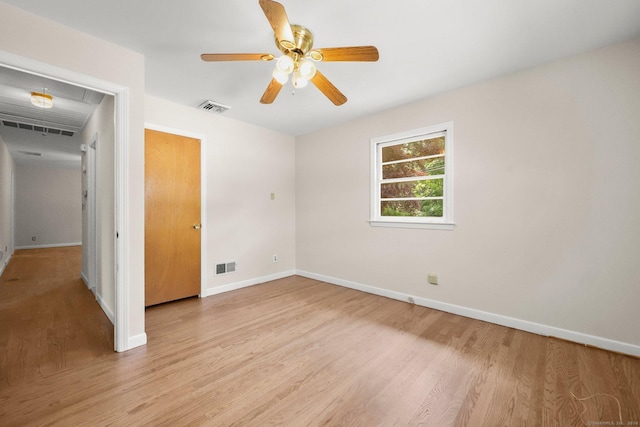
column 280, row 76
column 41, row 100
column 307, row 69
column 298, row 80
column 285, row 64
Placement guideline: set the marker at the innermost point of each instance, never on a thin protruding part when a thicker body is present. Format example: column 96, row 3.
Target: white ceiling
column 426, row 47
column 36, row 136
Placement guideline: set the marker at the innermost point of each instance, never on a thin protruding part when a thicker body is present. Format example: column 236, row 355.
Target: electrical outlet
column 33, row 239
column 275, row 258
column 433, row 279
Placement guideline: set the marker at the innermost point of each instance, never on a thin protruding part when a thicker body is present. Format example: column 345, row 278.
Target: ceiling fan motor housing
column 301, row 44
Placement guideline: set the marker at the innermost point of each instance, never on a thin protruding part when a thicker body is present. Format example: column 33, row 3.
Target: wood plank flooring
column 298, row 352
column 49, row 320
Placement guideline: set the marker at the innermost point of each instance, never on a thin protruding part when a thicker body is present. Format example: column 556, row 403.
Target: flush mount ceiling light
column 41, row 100
column 295, row 42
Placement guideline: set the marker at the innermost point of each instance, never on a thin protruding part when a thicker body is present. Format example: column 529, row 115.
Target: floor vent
column 213, row 107
column 227, row 267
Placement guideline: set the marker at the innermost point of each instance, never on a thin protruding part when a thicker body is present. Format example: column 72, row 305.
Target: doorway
column 121, row 243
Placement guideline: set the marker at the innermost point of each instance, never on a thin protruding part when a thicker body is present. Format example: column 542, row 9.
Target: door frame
column 12, row 236
column 122, row 239
column 203, row 193
column 92, row 223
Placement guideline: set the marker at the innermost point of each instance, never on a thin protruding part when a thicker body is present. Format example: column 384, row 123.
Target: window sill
column 423, row 225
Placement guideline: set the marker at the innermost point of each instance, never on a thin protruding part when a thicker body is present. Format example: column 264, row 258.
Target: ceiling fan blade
column 272, row 91
column 236, row 57
column 353, row 53
column 277, row 17
column 329, row 90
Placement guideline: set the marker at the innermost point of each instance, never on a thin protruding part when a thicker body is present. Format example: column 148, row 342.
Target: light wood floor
column 292, row 352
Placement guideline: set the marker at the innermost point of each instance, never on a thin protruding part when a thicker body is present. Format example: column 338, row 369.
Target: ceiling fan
column 298, row 56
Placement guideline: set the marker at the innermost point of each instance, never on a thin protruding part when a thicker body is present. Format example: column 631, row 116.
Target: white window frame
column 435, row 223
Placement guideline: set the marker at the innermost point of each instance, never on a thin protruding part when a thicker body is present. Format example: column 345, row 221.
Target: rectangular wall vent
column 227, row 267
column 213, row 107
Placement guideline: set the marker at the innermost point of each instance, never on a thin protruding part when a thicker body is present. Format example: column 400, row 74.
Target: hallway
column 49, row 320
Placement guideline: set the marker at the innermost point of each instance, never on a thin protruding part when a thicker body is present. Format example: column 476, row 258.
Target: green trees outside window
column 412, row 182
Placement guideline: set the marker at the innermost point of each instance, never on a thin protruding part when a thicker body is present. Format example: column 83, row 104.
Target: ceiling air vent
column 36, row 128
column 213, row 107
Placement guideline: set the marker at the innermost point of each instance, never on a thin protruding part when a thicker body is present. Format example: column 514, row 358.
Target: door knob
column 197, row 226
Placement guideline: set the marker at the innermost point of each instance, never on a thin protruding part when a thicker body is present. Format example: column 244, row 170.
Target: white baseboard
column 511, row 322
column 3, row 265
column 86, row 282
column 52, row 245
column 136, row 341
column 247, row 283
column 106, row 309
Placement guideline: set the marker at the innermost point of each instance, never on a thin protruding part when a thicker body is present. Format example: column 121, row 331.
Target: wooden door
column 172, row 217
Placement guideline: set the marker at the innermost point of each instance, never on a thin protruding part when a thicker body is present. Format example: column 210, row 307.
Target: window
column 412, row 179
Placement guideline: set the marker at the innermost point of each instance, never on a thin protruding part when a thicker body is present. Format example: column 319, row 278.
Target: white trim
column 424, row 225
column 105, row 308
column 246, row 283
column 137, row 340
column 12, row 212
column 51, row 245
column 122, row 342
column 377, row 220
column 510, row 322
column 203, row 194
column 4, row 264
column 87, row 283
column 91, row 201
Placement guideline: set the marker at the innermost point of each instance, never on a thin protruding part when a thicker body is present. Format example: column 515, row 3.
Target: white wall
column 7, row 167
column 244, row 165
column 47, row 45
column 547, row 200
column 100, row 128
column 48, row 207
